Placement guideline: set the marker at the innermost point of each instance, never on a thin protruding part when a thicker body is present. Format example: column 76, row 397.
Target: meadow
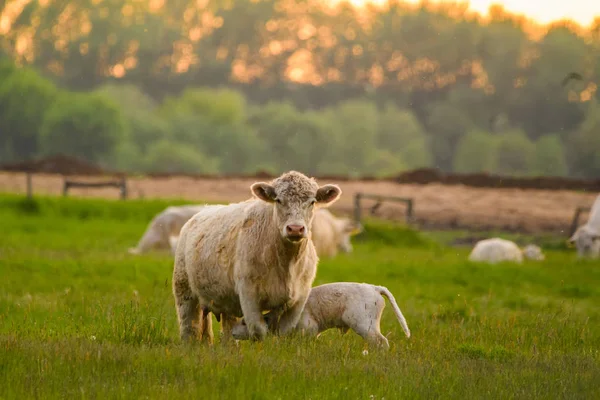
column 82, row 318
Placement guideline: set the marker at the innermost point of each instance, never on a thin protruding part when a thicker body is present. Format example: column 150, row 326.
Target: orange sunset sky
column 543, row 11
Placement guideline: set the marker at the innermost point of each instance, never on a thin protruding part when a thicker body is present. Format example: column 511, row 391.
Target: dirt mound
column 59, row 164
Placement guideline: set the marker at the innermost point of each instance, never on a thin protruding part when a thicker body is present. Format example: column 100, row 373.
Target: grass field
column 81, row 318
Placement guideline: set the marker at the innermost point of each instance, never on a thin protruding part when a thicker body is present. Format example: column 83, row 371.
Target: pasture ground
column 81, row 318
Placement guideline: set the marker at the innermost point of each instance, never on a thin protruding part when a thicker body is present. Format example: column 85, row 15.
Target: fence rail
column 380, row 199
column 120, row 184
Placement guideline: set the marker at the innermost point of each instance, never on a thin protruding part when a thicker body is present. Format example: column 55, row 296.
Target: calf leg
column 372, row 335
column 227, row 324
column 368, row 324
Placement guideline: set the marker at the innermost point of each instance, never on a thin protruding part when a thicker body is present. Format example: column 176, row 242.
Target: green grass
column 81, row 318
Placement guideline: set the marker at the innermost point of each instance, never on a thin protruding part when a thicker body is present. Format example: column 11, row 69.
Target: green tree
column 140, row 113
column 25, row 97
column 219, row 107
column 549, row 157
column 173, row 157
column 583, row 145
column 400, row 133
column 476, row 152
column 446, row 124
column 81, row 124
column 358, row 122
column 515, row 154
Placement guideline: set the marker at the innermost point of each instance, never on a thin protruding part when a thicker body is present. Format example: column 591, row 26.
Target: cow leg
column 257, row 328
column 187, row 304
column 290, row 317
column 206, row 329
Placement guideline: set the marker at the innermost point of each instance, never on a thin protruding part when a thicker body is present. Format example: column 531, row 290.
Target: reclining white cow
column 240, row 259
column 165, row 227
column 587, row 236
column 496, row 250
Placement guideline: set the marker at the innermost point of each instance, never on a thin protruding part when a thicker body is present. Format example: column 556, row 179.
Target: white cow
column 164, row 227
column 331, row 234
column 587, row 236
column 496, row 250
column 342, row 305
column 241, row 259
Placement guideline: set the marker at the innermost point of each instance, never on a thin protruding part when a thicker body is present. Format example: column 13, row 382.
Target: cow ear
column 327, row 194
column 264, row 191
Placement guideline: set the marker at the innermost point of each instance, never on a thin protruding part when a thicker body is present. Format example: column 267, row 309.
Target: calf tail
column 385, row 292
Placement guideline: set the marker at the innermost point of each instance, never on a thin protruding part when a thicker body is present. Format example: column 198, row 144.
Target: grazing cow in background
column 496, row 250
column 587, row 236
column 164, row 227
column 342, row 305
column 244, row 258
column 331, row 234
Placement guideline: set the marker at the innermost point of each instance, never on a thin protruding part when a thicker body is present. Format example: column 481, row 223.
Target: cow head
column 587, row 241
column 346, row 228
column 295, row 197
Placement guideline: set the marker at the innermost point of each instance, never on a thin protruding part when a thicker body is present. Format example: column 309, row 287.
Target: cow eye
column 278, row 200
column 312, row 202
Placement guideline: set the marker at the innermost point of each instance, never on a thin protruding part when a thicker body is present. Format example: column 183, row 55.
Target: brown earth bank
column 436, row 206
column 68, row 165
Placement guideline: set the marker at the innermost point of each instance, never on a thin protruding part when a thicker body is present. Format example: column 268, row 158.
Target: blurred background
column 325, row 87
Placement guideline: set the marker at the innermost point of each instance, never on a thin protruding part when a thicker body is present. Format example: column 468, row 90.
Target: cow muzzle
column 295, row 232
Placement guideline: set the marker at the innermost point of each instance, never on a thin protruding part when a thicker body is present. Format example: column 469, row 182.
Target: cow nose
column 295, row 230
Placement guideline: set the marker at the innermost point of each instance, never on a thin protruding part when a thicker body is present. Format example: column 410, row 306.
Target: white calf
column 342, row 305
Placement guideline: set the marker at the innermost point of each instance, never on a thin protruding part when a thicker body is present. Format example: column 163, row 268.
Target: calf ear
column 327, row 194
column 264, row 191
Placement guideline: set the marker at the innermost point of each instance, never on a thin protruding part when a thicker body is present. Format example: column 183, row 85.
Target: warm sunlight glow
column 542, row 11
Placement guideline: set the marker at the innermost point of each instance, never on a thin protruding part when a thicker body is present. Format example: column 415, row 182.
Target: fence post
column 357, row 208
column 123, row 189
column 409, row 211
column 65, row 187
column 29, row 186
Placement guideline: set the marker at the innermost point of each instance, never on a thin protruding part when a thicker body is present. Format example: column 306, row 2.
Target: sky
column 542, row 11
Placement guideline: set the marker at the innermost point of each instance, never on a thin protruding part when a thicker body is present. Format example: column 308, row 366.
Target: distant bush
column 25, row 97
column 84, row 125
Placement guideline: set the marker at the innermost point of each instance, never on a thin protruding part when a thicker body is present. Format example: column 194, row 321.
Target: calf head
column 295, row 197
column 587, row 241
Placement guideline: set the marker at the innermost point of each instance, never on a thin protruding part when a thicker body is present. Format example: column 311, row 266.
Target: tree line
column 236, row 87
